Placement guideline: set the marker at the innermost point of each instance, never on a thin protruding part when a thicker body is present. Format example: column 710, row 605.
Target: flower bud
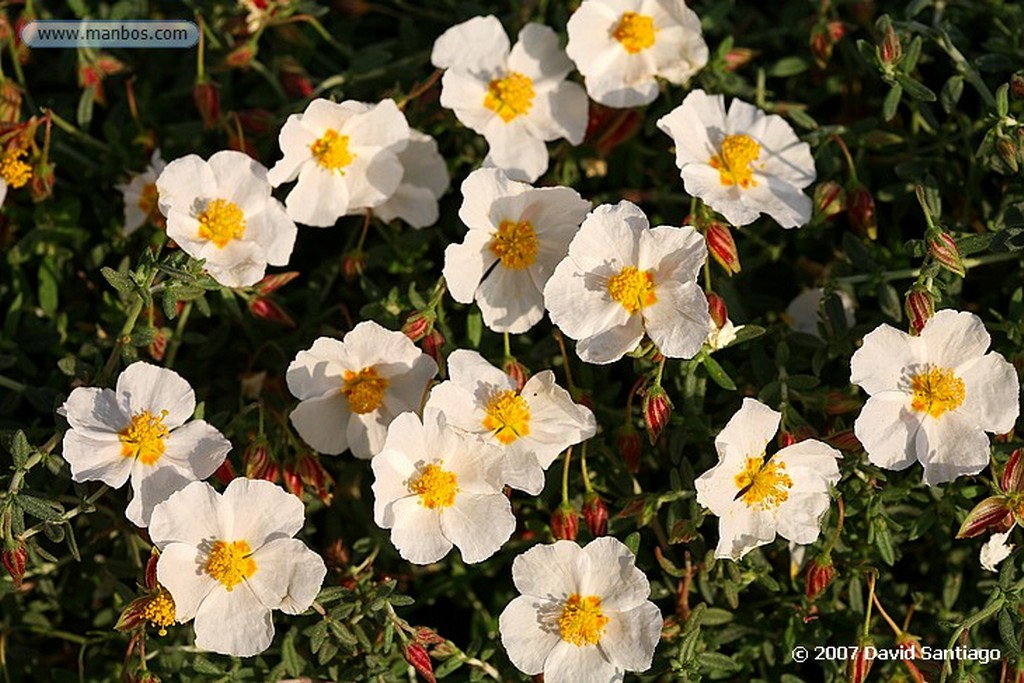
column 891, row 50
column 920, row 307
column 824, row 37
column 226, row 472
column 717, row 309
column 207, row 100
column 295, row 79
column 15, row 557
column 517, row 371
column 722, row 247
column 829, row 200
column 738, row 57
column 1017, row 85
column 10, row 102
column 275, row 281
column 630, row 446
column 943, row 249
column 257, row 462
column 841, row 402
column 988, row 515
column 595, row 514
column 313, row 475
column 819, row 575
column 266, row 308
column 352, row 265
column 255, row 121
column 292, row 480
column 858, row 667
column 242, row 55
column 657, row 409
column 151, row 565
column 607, row 127
column 860, row 211
column 1012, row 480
column 418, row 325
column 418, row 658
column 565, row 523
column 432, row 345
column 158, row 347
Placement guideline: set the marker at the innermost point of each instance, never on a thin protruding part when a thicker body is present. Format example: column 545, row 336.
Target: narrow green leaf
column 1003, row 100
column 951, row 92
column 915, row 88
column 892, row 100
column 717, row 373
column 39, row 508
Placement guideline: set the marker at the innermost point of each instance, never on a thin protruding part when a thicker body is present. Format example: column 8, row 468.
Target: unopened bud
column 10, row 102
column 207, row 99
column 352, row 265
column 225, row 473
column 630, row 446
column 858, row 667
column 920, row 307
column 824, row 36
column 433, row 344
column 275, row 281
column 418, row 325
column 242, row 55
column 608, row 127
column 891, row 50
column 595, row 514
column 1017, row 85
column 829, row 200
column 722, row 247
column 657, row 409
column 267, row 309
column 292, row 480
column 565, row 523
column 14, row 558
column 860, row 211
column 819, row 575
column 718, row 310
column 943, row 249
column 417, row 656
column 257, row 462
column 151, row 565
column 845, row 440
column 738, row 57
column 1012, row 480
column 1007, row 152
column 517, row 371
column 313, row 475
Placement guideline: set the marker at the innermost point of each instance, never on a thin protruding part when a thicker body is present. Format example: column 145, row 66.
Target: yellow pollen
column 635, row 32
column 159, row 611
column 735, row 163
column 144, row 437
column 221, row 222
column 364, row 390
column 936, row 390
column 229, row 563
column 515, row 244
column 331, row 151
column 763, row 484
column 582, row 622
column 436, row 487
column 13, row 170
column 510, row 97
column 508, row 416
column 632, row 288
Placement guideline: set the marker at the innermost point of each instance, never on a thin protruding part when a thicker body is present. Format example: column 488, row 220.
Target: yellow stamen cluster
column 635, row 32
column 436, row 487
column 582, row 621
column 148, row 199
column 508, row 416
column 13, row 170
column 632, row 288
column 144, row 437
column 763, row 484
column 515, row 244
column 230, row 563
column 364, row 390
column 221, row 222
column 159, row 611
column 936, row 391
column 331, row 151
column 510, row 96
column 735, row 162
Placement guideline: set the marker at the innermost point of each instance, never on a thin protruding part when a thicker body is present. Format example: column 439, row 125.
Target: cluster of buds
column 657, row 409
column 415, row 651
column 565, row 522
column 156, row 607
column 998, row 514
column 263, row 306
column 919, row 305
column 824, row 37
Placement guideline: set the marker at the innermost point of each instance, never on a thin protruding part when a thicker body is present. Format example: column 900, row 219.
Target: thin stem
column 72, row 513
column 565, row 476
column 420, row 89
column 908, row 273
column 885, row 615
column 508, row 347
column 849, row 159
column 201, row 52
column 122, row 338
column 839, row 525
column 583, row 466
column 565, row 360
column 366, row 229
column 871, row 600
column 8, row 383
column 661, row 371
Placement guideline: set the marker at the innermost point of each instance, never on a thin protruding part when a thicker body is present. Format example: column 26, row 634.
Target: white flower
column 742, row 164
column 583, row 614
column 620, row 46
column 139, row 430
column 517, row 235
column 622, row 279
column 424, row 180
column 933, row 397
column 517, row 99
column 995, row 550
column 435, row 487
column 345, row 156
column 530, row 427
column 804, row 311
column 139, row 194
column 721, row 337
column 351, row 390
column 221, row 210
column 756, row 497
column 229, row 560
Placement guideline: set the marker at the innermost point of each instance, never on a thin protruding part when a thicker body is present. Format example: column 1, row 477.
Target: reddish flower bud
column 840, row 403
column 427, row 636
column 722, row 247
column 860, row 211
column 919, row 305
column 313, row 474
column 207, row 99
column 657, row 409
column 268, row 310
column 1012, row 480
column 257, row 461
column 517, row 371
column 829, row 200
column 738, row 57
column 565, row 523
column 292, row 480
column 824, row 36
column 158, row 347
column 630, row 446
column 242, row 55
column 607, row 128
column 417, row 656
column 295, row 80
column 272, row 472
column 151, row 564
column 845, row 440
column 10, row 101
column 1017, row 85
column 352, row 265
column 943, row 249
column 786, row 439
column 418, row 325
column 432, row 345
column 14, row 558
column 989, row 513
column 858, row 667
column 819, row 575
column 255, row 121
column 595, row 514
column 891, row 50
column 717, row 308
column 226, row 472
column 275, row 281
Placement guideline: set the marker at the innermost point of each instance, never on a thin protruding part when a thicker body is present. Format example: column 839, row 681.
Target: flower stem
column 565, row 476
column 570, row 385
column 583, row 466
column 122, row 338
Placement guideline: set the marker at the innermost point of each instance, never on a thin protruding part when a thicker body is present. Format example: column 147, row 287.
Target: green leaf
column 20, row 448
column 915, row 88
column 39, row 508
column 1003, row 100
column 883, row 541
column 716, row 616
column 118, row 280
column 317, row 636
column 786, row 67
column 802, row 382
column 1008, row 632
column 202, row 665
column 714, row 662
column 448, row 666
column 49, row 289
column 85, row 106
column 293, row 663
column 633, row 542
column 717, row 373
column 889, row 301
column 951, row 92
column 891, row 101
column 746, row 333
column 911, row 55
column 474, row 329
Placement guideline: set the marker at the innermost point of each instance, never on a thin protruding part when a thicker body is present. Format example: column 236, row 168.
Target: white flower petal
column 992, row 393
column 96, row 457
column 241, row 180
column 233, row 623
column 197, row 447
column 478, row 524
column 954, row 337
column 417, row 532
column 612, row 575
column 143, row 387
column 392, row 470
column 741, row 529
column 319, row 198
column 181, row 571
column 548, row 571
column 150, row 487
column 280, row 514
column 611, row 344
column 748, row 431
column 514, row 150
column 995, row 550
column 631, row 637
column 466, row 263
column 526, row 636
column 949, row 447
column 183, row 181
column 570, row 663
column 479, row 45
column 887, row 428
column 881, row 361
column 322, row 422
column 678, row 321
column 672, row 253
column 288, row 575
column 509, row 300
column 190, row 516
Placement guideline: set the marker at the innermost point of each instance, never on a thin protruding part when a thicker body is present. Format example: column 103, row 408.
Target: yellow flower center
column 331, row 151
column 148, row 198
column 735, row 162
column 159, row 611
column 229, row 563
column 14, row 171
column 635, row 32
column 508, row 416
column 763, row 484
column 936, row 390
column 510, row 97
column 144, row 437
column 436, row 487
column 221, row 222
column 582, row 622
column 632, row 288
column 515, row 244
column 364, row 390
